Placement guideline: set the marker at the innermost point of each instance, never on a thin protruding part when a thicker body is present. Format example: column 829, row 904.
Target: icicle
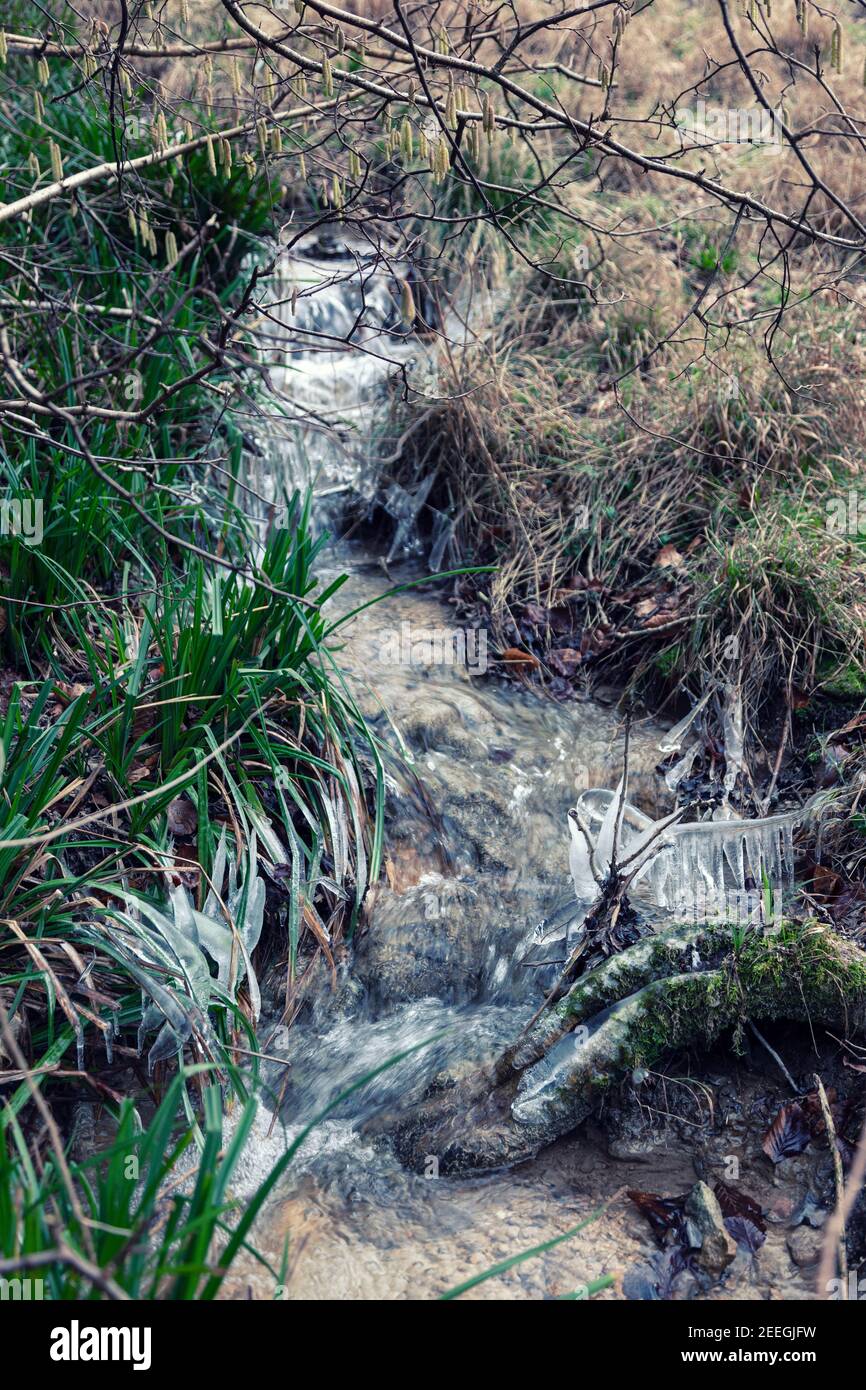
column 672, row 741
column 585, row 886
column 732, row 720
column 679, row 866
column 681, row 768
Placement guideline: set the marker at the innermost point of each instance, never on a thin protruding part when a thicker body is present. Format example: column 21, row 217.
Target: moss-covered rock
column 682, row 989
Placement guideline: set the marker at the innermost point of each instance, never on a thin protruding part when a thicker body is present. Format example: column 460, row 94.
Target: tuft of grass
column 673, row 526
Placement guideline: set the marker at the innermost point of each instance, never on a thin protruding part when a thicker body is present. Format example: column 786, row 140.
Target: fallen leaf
column 733, row 1203
column 665, row 1214
column 789, row 1133
column 518, row 660
column 182, row 817
column 669, row 558
column 564, row 660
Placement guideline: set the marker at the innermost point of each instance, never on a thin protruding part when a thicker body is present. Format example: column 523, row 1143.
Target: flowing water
column 470, row 923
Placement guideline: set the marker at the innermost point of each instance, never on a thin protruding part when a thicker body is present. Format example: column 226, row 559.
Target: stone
column 704, row 1217
column 804, row 1246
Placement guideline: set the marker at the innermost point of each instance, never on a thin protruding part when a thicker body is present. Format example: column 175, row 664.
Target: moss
column 848, row 682
column 800, row 971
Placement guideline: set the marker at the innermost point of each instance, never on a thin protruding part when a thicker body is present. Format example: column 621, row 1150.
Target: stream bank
column 445, row 966
column 438, row 957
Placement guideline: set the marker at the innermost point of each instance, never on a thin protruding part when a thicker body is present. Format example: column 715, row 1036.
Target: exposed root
column 679, row 990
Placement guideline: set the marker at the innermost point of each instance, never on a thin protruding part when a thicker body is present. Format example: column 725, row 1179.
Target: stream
column 469, row 924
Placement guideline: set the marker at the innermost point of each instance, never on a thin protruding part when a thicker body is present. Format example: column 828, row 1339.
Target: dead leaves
column 789, row 1134
column 519, row 662
column 669, row 558
column 564, row 660
column 182, row 817
column 800, row 1121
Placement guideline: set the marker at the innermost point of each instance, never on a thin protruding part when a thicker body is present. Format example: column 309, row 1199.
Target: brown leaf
column 519, row 661
column 645, row 608
column 788, row 1134
column 669, row 558
column 733, row 1202
column 182, row 817
column 564, row 660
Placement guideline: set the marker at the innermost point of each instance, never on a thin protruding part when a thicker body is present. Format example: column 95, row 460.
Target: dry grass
column 574, row 493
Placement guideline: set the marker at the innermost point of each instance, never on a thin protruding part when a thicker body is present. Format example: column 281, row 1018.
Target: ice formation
column 679, row 867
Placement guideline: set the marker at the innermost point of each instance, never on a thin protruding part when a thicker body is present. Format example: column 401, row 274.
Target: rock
column 706, row 1223
column 804, row 1246
column 555, row 1074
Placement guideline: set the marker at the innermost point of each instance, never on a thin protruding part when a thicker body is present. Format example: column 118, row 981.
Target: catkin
column 33, row 164
column 43, row 72
column 125, row 83
column 211, row 160
column 354, row 166
column 226, row 154
column 4, row 47
column 302, row 167
column 327, row 77
column 451, row 111
column 440, row 161
column 133, row 221
column 406, row 140
column 836, row 49
column 488, row 117
column 276, row 139
column 423, row 145
column 38, row 105
column 803, row 16
column 170, row 248
column 407, row 303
